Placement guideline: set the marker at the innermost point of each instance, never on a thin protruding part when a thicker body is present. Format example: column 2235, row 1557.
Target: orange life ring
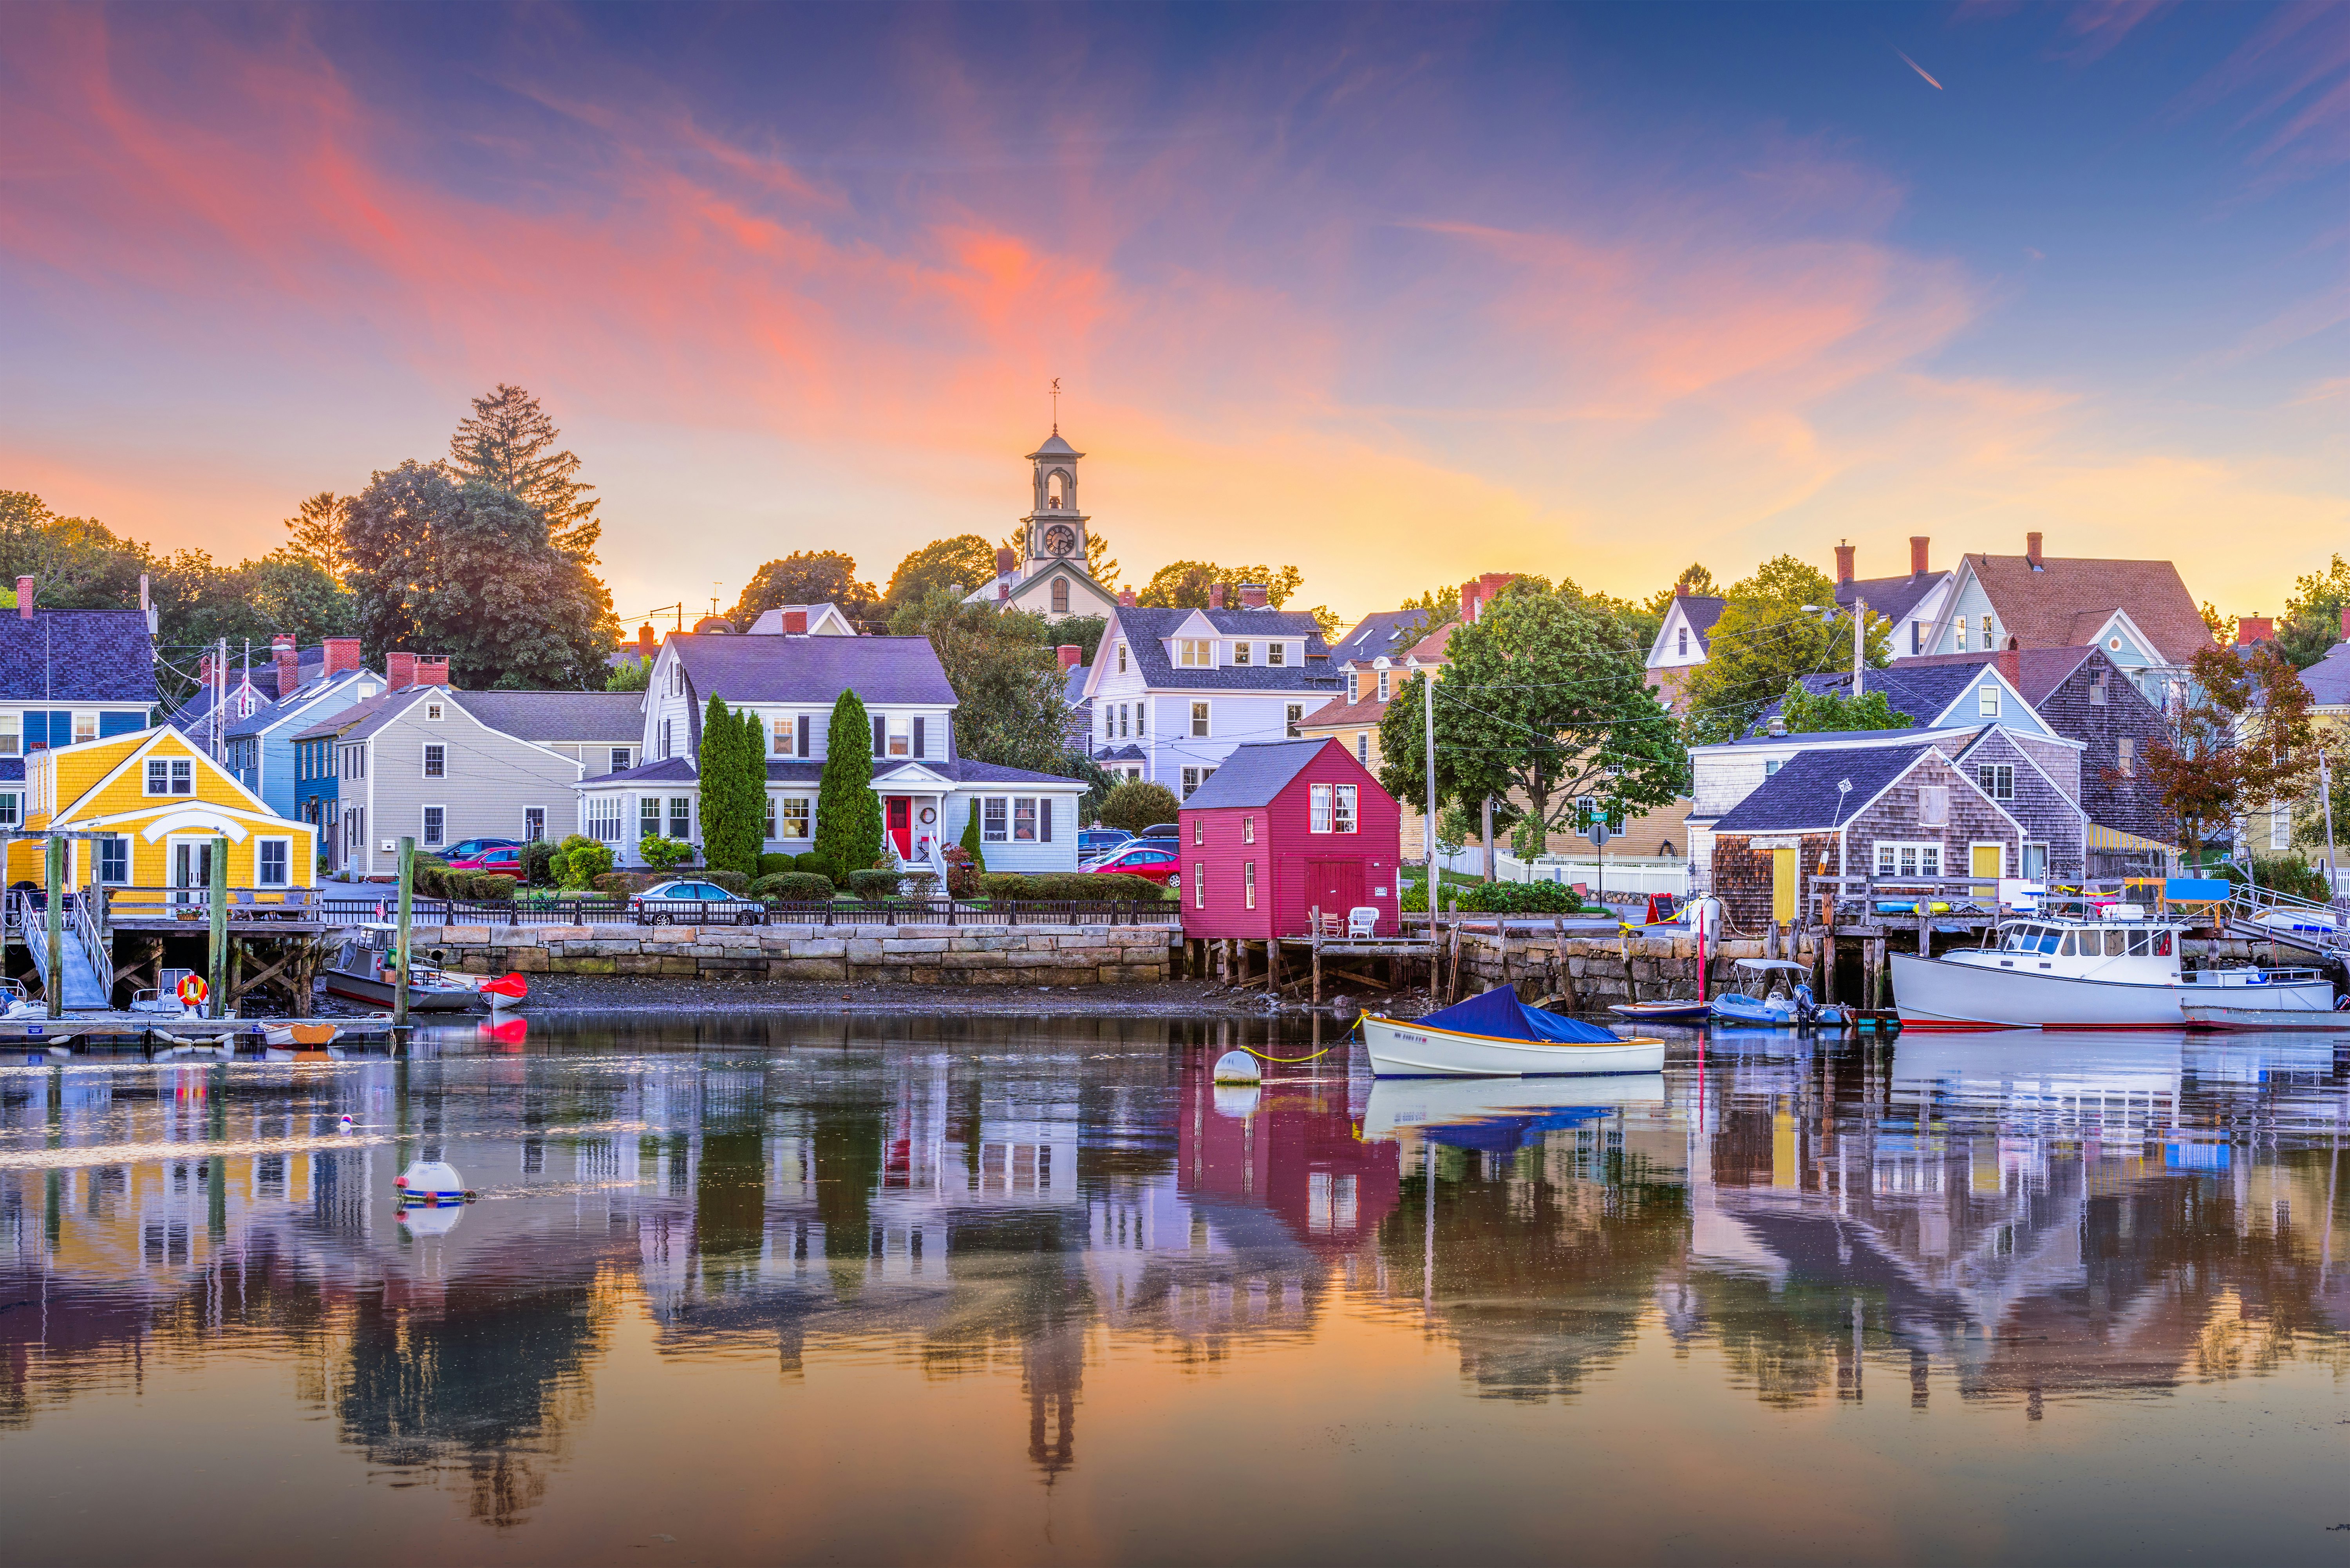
column 192, row 991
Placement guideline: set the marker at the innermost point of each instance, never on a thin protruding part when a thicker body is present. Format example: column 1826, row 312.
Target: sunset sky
column 1399, row 296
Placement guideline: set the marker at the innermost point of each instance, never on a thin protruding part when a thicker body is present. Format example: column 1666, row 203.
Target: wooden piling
column 216, row 959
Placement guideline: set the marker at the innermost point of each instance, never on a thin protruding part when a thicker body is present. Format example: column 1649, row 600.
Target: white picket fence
column 1628, row 875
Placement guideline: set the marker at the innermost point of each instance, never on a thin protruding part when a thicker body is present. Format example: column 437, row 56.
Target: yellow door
column 1990, row 860
column 1782, row 885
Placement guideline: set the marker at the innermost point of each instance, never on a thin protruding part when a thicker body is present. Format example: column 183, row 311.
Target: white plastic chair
column 1362, row 922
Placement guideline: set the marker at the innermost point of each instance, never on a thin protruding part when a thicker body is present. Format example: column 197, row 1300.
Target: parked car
column 471, row 848
column 682, row 900
column 1093, row 842
column 1142, row 858
column 1161, row 830
column 504, row 858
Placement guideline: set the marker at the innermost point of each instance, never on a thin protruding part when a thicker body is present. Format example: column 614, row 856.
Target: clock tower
column 1056, row 529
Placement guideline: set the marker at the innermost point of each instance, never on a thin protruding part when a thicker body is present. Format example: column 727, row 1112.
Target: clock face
column 1060, row 539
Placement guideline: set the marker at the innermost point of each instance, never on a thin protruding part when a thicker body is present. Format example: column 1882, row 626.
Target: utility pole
column 1489, row 838
column 1859, row 662
column 1428, row 817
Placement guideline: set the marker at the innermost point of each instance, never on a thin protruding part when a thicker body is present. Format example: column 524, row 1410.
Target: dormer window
column 1195, row 653
column 1240, row 653
column 1122, row 659
column 1383, row 685
column 1680, row 643
column 1276, row 653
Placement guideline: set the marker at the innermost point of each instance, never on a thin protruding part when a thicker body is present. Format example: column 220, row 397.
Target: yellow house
column 164, row 801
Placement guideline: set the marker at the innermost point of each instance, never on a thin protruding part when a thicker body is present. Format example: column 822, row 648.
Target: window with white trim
column 1330, row 808
column 1998, row 779
column 1240, row 653
column 2280, row 828
column 170, row 775
column 680, row 817
column 782, row 733
column 11, row 734
column 85, row 725
column 1248, row 830
column 1248, row 884
column 1199, row 719
column 995, row 819
column 12, row 808
column 1195, row 652
column 114, row 861
column 1141, row 709
column 1199, row 884
column 604, row 814
column 793, row 817
column 1276, row 654
column 2126, row 757
column 434, row 710
column 1898, row 858
column 1199, row 830
column 1363, row 747
column 1383, row 685
column 272, row 860
column 649, row 816
column 1987, row 700
column 620, row 755
column 435, row 826
column 1191, row 782
column 1121, row 658
column 1292, row 717
column 436, row 762
column 1680, row 643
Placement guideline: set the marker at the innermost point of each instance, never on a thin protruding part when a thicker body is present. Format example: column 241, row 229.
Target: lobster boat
column 366, row 970
column 1497, row 1037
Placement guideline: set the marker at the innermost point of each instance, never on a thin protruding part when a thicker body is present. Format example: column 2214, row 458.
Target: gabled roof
column 1700, row 610
column 1922, row 693
column 2328, row 680
column 1802, row 796
column 1255, row 773
column 1380, row 636
column 2039, row 672
column 1145, row 630
column 1073, row 684
column 1892, row 597
column 341, row 724
column 614, row 717
column 1339, row 711
column 770, row 623
column 68, row 656
column 895, row 670
column 2070, row 598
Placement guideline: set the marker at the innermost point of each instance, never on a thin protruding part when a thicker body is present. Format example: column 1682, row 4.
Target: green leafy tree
column 510, row 444
column 1545, row 700
column 1007, row 684
column 807, row 577
column 663, row 854
column 76, row 563
column 2312, row 617
column 1810, row 713
column 2244, row 742
column 848, row 812
column 1139, row 804
column 973, row 840
column 966, row 560
column 1082, row 632
column 467, row 570
column 1766, row 639
column 578, row 861
column 1099, row 781
column 629, row 675
column 734, row 771
column 1185, row 585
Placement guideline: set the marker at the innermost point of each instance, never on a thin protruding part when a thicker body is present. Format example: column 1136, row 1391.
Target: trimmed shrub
column 873, row 884
column 796, row 887
column 538, row 861
column 973, row 837
column 962, row 872
column 1136, row 805
column 1502, row 898
column 620, row 884
column 810, row 861
column 1005, row 885
column 776, row 865
column 579, row 860
column 918, row 883
column 1103, row 884
column 733, row 882
column 494, row 887
column 662, row 854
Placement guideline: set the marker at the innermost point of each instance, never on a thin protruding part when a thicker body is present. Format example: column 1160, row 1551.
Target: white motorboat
column 2115, row 970
column 1786, row 1004
column 1497, row 1037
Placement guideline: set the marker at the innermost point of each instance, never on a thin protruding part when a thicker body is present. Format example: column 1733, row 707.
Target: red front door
column 1334, row 887
column 900, row 810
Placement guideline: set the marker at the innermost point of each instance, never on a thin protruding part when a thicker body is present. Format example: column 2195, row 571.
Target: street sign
column 1599, row 833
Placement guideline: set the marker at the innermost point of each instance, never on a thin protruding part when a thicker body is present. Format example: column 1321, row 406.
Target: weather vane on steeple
column 1057, row 405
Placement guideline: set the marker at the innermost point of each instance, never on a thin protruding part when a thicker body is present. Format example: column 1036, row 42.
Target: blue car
column 1094, row 842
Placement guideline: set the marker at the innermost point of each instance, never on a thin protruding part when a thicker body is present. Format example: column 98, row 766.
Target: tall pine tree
column 848, row 812
column 510, row 442
column 734, row 790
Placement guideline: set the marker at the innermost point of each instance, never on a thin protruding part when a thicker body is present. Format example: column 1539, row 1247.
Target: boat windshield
column 2136, row 941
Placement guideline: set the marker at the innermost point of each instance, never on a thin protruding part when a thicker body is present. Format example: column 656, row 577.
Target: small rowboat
column 2214, row 1015
column 1496, row 1035
column 312, row 1036
column 1663, row 1012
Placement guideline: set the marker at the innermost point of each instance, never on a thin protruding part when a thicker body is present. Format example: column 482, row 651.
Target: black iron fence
column 588, row 911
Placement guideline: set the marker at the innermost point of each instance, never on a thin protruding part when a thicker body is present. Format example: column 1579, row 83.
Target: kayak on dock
column 1496, row 1035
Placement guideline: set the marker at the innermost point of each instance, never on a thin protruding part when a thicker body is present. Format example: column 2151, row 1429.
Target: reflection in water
column 2007, row 1219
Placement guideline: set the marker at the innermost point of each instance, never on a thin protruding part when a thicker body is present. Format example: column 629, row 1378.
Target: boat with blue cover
column 1788, row 1004
column 1496, row 1035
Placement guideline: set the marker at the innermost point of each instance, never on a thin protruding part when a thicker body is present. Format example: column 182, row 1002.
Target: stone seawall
column 918, row 955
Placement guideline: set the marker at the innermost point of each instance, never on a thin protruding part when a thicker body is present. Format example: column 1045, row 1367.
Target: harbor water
column 764, row 1289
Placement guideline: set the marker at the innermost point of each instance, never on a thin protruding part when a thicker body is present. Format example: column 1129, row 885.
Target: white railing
column 1630, row 875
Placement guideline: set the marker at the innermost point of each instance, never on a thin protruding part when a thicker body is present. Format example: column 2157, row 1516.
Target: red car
column 1144, row 857
column 506, row 859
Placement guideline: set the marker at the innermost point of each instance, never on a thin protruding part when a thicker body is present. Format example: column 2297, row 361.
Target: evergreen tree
column 973, row 840
column 317, row 530
column 848, row 812
column 734, row 790
column 510, row 442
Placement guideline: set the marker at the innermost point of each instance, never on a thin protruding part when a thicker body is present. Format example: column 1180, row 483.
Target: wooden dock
column 151, row 1031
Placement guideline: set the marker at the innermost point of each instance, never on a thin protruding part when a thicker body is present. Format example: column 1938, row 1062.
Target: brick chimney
column 1215, row 596
column 1252, row 596
column 288, row 658
column 342, row 653
column 203, row 662
column 2345, row 623
column 2252, row 628
column 2031, row 551
column 1844, row 563
column 1005, row 561
column 795, row 622
column 1469, row 601
column 2011, row 666
column 1070, row 655
column 431, row 671
column 1126, row 598
column 1681, row 590
column 24, row 598
column 401, row 669
column 648, row 644
column 1918, row 567
column 1003, row 592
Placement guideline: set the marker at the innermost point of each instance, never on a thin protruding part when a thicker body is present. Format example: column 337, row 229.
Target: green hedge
column 810, row 861
column 620, row 884
column 873, row 884
column 1499, row 899
column 1079, row 885
column 776, row 865
column 797, row 887
column 733, row 882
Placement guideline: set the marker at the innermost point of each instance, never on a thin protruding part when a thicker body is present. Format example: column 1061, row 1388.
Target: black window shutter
column 919, row 749
column 1045, row 819
column 801, row 738
column 880, row 737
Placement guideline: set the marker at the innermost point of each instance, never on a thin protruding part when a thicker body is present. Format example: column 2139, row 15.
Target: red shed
column 1282, row 827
